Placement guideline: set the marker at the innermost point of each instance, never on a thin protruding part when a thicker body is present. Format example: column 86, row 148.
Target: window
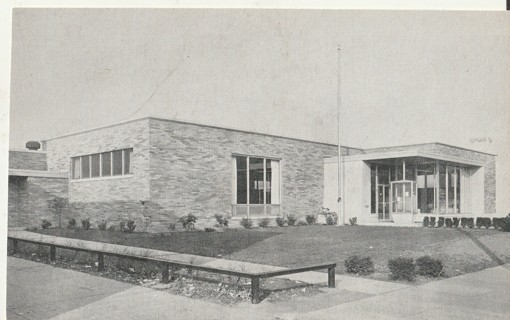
column 94, row 166
column 85, row 167
column 257, row 186
column 106, row 164
column 75, row 168
column 117, row 162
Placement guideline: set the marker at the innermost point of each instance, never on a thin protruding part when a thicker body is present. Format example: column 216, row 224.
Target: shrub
column 302, row 223
column 188, row 221
column 85, row 224
column 171, row 226
column 122, row 226
column 329, row 216
column 448, row 222
column 130, row 226
column 246, row 223
column 71, row 224
column 463, row 222
column 111, row 228
column 264, row 222
column 505, row 223
column 455, row 222
column 402, row 268
column 359, row 265
column 209, row 229
column 425, row 221
column 497, row 223
column 429, row 267
column 432, row 222
column 311, row 219
column 291, row 219
column 483, row 222
column 58, row 206
column 280, row 221
column 440, row 222
column 222, row 221
column 102, row 225
column 45, row 224
column 470, row 223
column 353, row 221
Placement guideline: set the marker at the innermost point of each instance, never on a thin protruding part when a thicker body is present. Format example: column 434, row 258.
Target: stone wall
column 27, row 160
column 110, row 198
column 192, row 169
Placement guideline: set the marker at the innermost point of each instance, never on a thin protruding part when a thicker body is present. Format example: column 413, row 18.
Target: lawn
column 300, row 246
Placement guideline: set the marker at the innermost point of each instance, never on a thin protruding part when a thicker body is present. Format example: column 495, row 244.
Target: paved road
column 40, row 291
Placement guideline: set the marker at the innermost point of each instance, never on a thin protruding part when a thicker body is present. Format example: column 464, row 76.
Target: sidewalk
column 40, row 291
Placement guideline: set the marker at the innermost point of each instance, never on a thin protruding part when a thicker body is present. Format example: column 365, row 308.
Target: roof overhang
column 411, row 153
column 37, row 173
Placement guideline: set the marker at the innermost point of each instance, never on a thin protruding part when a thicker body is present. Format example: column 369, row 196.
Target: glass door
column 403, row 196
column 383, row 202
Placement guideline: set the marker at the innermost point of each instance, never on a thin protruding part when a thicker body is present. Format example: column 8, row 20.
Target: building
column 155, row 170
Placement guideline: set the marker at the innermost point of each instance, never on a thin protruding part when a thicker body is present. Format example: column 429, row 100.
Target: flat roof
column 194, row 124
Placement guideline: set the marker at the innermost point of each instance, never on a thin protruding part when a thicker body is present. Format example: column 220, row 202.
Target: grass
column 301, row 246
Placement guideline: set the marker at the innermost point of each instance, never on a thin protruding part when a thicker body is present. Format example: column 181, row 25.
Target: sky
column 404, row 77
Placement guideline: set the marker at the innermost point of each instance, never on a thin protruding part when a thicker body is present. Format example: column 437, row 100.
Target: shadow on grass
column 209, row 244
column 484, row 248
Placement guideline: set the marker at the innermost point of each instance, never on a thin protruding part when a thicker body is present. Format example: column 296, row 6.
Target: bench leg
column 164, row 273
column 100, row 262
column 53, row 253
column 255, row 290
column 331, row 277
column 14, row 246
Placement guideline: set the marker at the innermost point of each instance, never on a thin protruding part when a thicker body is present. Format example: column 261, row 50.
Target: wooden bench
column 166, row 263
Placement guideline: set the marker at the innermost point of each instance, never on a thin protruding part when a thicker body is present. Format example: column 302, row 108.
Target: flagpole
column 340, row 164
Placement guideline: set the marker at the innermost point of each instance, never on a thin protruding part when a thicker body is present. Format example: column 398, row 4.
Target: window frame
column 123, row 173
column 247, row 205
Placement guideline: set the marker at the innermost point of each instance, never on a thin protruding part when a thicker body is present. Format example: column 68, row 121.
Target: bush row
column 401, row 268
column 497, row 223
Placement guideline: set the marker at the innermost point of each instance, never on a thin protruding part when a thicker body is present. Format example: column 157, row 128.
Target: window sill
column 126, row 176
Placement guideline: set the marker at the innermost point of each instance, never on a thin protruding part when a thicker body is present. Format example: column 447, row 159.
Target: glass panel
column 410, row 172
column 106, row 164
column 242, row 174
column 128, row 153
column 256, row 182
column 117, row 162
column 76, row 168
column 425, row 182
column 275, row 182
column 268, row 181
column 442, row 188
column 94, row 165
column 452, row 182
column 85, row 169
column 384, row 195
column 459, row 193
column 373, row 188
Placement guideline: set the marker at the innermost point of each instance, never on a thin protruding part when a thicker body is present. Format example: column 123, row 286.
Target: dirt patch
column 225, row 290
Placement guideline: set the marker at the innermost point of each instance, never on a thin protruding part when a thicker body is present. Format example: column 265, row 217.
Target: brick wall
column 192, row 169
column 29, row 200
column 112, row 198
column 27, row 160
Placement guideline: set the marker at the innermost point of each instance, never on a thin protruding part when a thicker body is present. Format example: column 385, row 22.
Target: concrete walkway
column 40, row 291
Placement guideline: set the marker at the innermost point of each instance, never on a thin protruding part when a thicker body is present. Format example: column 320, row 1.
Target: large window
column 257, row 186
column 106, row 164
